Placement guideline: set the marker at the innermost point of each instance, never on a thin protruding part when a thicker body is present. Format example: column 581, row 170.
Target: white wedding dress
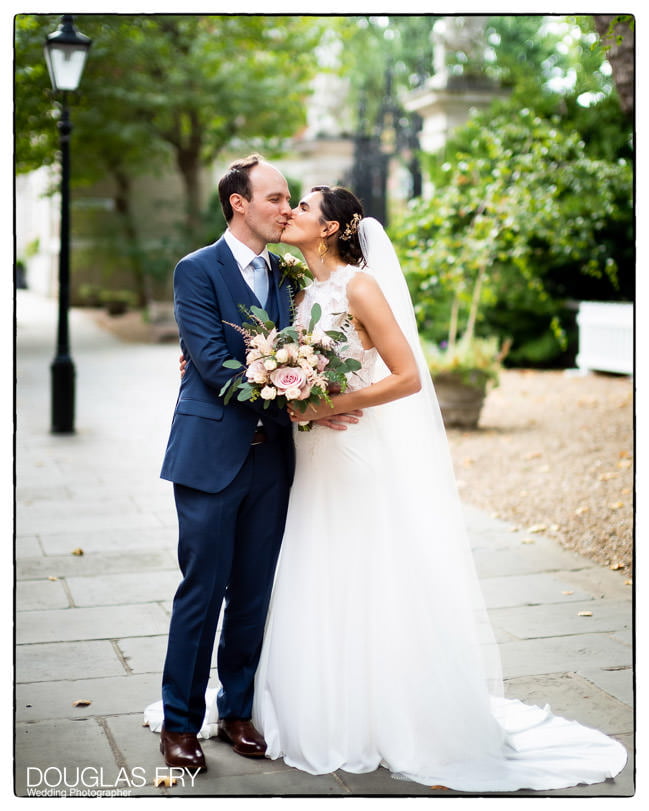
column 378, row 650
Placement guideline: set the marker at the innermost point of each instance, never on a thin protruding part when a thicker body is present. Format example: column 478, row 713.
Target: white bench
column 605, row 337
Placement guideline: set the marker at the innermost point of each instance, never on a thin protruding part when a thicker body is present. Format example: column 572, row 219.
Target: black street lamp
column 65, row 54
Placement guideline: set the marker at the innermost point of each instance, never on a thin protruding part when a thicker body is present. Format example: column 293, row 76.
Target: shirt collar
column 242, row 253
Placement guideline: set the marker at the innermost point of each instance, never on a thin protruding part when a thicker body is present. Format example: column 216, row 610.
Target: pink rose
column 288, row 377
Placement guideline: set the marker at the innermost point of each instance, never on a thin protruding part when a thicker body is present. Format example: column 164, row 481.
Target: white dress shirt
column 244, row 255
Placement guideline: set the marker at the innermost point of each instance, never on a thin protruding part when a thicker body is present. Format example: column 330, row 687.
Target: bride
column 378, row 650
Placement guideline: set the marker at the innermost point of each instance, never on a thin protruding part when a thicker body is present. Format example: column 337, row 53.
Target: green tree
column 525, row 203
column 166, row 91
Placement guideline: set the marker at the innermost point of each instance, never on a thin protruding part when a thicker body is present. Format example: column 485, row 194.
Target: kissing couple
column 354, row 634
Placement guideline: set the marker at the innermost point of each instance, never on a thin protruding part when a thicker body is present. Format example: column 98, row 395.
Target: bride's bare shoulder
column 362, row 284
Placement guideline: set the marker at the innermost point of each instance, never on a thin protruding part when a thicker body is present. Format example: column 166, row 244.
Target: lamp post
column 65, row 54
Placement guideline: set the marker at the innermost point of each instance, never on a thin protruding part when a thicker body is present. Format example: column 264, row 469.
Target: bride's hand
column 337, row 423
column 321, row 416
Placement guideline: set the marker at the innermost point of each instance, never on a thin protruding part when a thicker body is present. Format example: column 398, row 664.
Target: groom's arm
column 202, row 331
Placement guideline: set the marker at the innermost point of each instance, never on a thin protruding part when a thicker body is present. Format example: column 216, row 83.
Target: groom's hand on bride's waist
column 339, row 422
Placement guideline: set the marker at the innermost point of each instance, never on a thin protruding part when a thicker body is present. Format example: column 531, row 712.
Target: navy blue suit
column 231, row 496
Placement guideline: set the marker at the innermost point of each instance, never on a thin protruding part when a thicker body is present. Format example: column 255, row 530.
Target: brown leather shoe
column 182, row 749
column 242, row 736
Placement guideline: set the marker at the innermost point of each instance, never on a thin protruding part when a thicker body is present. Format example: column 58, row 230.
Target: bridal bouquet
column 295, row 365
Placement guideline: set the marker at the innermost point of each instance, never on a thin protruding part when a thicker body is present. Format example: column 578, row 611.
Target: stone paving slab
column 551, row 620
column 41, row 595
column 33, row 514
column 77, row 523
column 617, row 681
column 151, row 534
column 47, row 748
column 601, row 582
column 109, row 696
column 572, row 696
column 542, row 556
column 87, row 565
column 569, row 654
column 126, row 587
column 146, row 655
column 27, row 546
column 90, row 623
column 55, row 661
column 529, row 589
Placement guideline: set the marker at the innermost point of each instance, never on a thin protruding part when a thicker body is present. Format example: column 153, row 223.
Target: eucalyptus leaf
column 259, row 313
column 245, row 394
column 316, row 312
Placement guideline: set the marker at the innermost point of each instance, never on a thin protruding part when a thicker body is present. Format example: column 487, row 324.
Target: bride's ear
column 331, row 228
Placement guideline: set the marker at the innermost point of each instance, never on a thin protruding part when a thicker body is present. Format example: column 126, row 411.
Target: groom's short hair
column 237, row 181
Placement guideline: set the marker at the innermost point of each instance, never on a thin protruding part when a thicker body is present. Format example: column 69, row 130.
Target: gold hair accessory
column 352, row 227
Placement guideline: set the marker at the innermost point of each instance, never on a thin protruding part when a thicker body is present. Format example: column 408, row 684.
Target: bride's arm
column 374, row 317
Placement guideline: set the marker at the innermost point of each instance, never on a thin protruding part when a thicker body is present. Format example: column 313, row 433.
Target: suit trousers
column 227, row 550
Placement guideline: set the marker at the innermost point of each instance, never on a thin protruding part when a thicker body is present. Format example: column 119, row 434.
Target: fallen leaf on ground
column 537, row 528
column 165, row 781
column 82, row 702
column 77, row 551
column 616, row 566
column 585, row 614
column 528, row 540
column 617, row 505
column 567, row 592
column 51, row 577
column 604, row 477
column 581, row 510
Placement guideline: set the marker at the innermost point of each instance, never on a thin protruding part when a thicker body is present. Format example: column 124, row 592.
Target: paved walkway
column 92, row 627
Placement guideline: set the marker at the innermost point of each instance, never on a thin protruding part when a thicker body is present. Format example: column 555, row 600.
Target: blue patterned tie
column 260, row 279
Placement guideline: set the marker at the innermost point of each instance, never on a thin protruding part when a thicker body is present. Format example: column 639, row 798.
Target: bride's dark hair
column 342, row 206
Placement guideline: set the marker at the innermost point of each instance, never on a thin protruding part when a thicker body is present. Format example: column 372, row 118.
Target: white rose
column 305, row 351
column 282, row 355
column 293, row 393
column 253, row 355
column 270, row 364
column 268, row 393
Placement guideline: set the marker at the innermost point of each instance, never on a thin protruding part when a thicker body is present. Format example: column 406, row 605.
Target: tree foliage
column 165, row 92
column 524, row 205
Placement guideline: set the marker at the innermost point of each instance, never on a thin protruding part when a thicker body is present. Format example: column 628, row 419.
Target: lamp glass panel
column 65, row 65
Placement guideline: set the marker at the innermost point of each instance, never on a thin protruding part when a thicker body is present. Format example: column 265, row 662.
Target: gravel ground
column 553, row 454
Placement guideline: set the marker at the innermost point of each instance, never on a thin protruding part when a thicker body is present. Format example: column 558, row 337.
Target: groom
column 232, row 467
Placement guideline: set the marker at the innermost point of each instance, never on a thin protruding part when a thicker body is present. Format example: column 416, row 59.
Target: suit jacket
column 209, row 441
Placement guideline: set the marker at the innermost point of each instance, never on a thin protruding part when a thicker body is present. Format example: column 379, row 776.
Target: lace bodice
column 331, row 295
